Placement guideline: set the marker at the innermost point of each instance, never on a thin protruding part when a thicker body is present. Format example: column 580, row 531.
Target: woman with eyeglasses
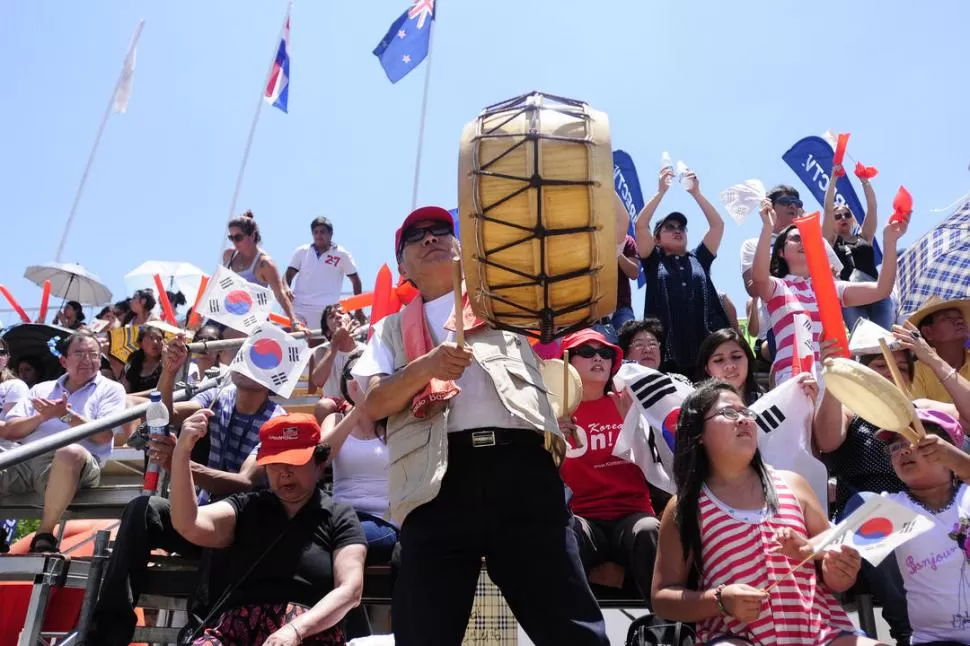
column 614, row 518
column 144, row 366
column 735, row 528
column 679, row 289
column 781, row 279
column 855, row 248
column 247, row 259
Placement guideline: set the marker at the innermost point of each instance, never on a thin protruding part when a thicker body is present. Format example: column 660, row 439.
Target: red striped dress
column 800, row 609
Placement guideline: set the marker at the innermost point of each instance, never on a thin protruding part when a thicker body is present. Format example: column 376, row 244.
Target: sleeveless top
column 800, row 609
column 249, row 273
column 360, row 475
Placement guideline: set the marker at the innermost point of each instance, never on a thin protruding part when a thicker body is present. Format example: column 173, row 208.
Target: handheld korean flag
column 741, row 199
column 656, row 405
column 875, row 529
column 865, row 336
column 232, row 300
column 272, row 358
column 803, row 353
column 785, row 434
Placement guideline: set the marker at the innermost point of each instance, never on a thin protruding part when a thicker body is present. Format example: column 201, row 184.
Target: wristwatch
column 67, row 417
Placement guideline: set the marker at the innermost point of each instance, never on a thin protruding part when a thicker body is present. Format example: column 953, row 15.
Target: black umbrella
column 30, row 340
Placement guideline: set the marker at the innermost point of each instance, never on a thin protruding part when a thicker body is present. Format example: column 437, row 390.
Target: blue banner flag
column 454, row 216
column 627, row 186
column 811, row 158
column 407, row 41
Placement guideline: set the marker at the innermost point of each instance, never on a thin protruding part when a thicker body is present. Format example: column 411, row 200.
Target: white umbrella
column 176, row 277
column 70, row 281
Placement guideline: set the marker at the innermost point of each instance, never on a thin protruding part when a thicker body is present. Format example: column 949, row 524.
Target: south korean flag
column 232, row 300
column 272, row 358
column 648, row 433
column 785, row 434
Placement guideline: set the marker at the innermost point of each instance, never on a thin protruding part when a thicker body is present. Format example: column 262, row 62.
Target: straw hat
column 934, row 304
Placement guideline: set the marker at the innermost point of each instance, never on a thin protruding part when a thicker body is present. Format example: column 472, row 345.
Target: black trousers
column 505, row 504
column 146, row 524
column 630, row 541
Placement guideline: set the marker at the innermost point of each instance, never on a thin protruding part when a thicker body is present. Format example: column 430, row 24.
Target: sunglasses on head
column 588, row 352
column 416, row 234
column 238, row 237
column 788, row 200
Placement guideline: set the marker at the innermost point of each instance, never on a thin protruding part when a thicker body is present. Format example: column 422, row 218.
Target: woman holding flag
column 724, row 559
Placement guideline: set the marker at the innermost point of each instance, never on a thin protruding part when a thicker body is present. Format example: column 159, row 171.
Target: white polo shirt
column 320, row 276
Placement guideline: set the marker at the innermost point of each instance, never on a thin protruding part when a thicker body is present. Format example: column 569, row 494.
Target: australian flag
column 407, row 41
column 278, row 83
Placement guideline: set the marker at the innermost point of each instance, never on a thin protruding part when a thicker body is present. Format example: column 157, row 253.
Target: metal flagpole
column 424, row 110
column 97, row 140
column 252, row 127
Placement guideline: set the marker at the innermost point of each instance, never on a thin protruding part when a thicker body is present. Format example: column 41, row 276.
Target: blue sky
column 727, row 87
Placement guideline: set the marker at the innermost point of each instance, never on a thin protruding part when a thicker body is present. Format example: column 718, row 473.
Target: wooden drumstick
column 459, row 304
column 887, row 355
column 565, row 382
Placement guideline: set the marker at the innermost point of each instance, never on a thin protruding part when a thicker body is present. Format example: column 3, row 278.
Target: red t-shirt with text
column 604, row 486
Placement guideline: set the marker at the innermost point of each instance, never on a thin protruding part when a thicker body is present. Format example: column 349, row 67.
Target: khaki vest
column 418, row 448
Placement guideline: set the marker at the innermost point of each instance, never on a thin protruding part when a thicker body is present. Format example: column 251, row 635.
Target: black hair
column 6, row 373
column 321, row 453
column 321, row 221
column 692, row 466
column 125, row 307
column 176, row 299
column 247, row 224
column 779, row 267
column 215, row 330
column 148, row 294
column 782, row 190
column 867, row 359
column 380, row 426
column 630, row 329
column 34, row 362
column 710, row 345
column 78, row 310
column 323, row 318
column 104, row 312
column 64, row 345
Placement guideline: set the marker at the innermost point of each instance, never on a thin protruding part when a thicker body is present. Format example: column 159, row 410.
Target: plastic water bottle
column 666, row 162
column 682, row 170
column 157, row 419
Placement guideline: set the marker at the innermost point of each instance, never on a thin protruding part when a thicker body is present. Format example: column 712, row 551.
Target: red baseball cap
column 422, row 213
column 288, row 439
column 589, row 335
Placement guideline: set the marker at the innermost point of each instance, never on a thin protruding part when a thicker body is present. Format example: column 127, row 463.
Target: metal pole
column 68, row 436
column 97, row 140
column 424, row 111
column 93, row 584
column 229, row 344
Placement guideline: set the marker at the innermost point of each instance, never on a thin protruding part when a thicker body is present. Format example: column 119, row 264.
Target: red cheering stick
column 44, row 299
column 902, row 206
column 865, row 172
column 167, row 312
column 14, row 304
column 823, row 283
column 840, row 152
column 196, row 319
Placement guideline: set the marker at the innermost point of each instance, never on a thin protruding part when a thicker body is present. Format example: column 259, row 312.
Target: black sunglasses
column 674, row 226
column 3, row 352
column 788, row 200
column 416, row 234
column 588, row 352
column 842, row 216
column 239, row 237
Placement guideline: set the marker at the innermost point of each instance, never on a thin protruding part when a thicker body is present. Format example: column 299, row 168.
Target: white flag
column 785, row 435
column 875, row 529
column 123, row 89
column 656, row 405
column 741, row 199
column 272, row 358
column 865, row 338
column 803, row 352
column 232, row 300
column 830, row 137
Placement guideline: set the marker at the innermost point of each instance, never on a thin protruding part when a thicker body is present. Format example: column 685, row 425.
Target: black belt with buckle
column 478, row 438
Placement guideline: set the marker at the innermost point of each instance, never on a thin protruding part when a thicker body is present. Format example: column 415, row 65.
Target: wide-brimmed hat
column 934, row 304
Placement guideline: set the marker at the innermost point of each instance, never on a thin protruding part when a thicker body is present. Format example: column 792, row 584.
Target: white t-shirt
column 11, row 392
column 476, row 406
column 748, row 248
column 360, row 476
column 331, row 387
column 320, row 276
column 936, row 574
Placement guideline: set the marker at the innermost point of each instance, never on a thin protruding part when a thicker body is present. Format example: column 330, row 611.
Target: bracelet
column 949, row 375
column 720, row 602
column 298, row 635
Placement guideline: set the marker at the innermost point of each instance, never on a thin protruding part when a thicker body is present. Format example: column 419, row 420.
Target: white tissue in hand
column 741, row 199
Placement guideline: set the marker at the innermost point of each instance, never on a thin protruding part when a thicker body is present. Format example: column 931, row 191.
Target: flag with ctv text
column 627, row 186
column 407, row 42
column 273, row 358
column 232, row 300
column 876, row 528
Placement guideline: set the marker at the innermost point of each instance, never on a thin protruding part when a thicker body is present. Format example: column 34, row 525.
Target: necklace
column 953, row 497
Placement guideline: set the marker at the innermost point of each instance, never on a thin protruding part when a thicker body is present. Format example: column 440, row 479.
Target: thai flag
column 278, row 84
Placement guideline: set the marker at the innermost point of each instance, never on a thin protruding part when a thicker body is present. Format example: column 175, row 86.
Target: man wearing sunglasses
column 787, row 206
column 469, row 475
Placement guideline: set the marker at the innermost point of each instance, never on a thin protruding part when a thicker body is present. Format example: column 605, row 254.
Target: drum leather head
column 554, row 376
column 867, row 394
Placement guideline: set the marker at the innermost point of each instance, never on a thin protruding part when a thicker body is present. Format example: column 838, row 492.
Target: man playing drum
column 469, row 477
